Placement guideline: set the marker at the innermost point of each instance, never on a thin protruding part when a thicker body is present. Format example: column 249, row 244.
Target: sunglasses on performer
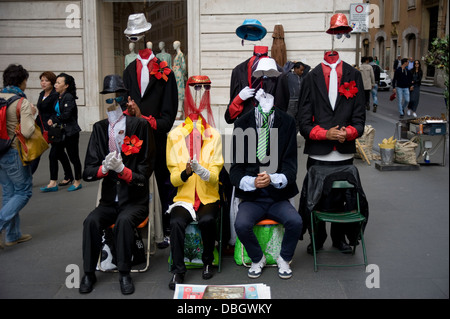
column 134, row 38
column 339, row 36
column 198, row 87
column 117, row 99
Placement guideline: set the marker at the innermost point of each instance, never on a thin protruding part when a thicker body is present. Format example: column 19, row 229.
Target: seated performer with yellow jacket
column 194, row 159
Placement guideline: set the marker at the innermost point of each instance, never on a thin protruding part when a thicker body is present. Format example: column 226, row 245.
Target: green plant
column 438, row 57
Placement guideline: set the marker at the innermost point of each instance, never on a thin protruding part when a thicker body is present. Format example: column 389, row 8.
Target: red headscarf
column 205, row 102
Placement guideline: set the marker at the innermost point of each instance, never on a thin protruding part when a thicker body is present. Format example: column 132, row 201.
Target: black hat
column 112, row 84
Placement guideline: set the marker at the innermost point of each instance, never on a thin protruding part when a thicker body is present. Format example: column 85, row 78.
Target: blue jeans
column 250, row 213
column 17, row 185
column 403, row 99
column 375, row 94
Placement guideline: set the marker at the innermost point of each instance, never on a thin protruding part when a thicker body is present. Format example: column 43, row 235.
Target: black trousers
column 180, row 218
column 58, row 152
column 125, row 219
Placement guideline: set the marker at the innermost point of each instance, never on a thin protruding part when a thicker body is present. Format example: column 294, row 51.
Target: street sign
column 359, row 17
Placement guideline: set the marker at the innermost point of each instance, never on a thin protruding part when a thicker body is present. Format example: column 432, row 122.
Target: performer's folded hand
column 199, row 169
column 106, row 162
column 116, row 164
column 262, row 180
column 333, row 133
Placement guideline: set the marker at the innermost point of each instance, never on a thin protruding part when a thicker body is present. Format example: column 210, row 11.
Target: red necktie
column 194, row 141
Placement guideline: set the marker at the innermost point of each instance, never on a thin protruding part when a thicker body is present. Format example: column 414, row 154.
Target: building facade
column 406, row 29
column 85, row 39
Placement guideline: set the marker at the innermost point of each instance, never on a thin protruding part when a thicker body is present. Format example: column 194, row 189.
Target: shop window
column 169, row 24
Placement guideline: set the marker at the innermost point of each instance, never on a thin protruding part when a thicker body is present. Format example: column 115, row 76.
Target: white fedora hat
column 137, row 23
column 266, row 67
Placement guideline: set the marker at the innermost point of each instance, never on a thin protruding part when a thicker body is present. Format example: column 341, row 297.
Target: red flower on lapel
column 161, row 70
column 348, row 89
column 131, row 145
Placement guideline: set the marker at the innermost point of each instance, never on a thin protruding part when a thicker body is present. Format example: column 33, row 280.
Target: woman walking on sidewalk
column 417, row 75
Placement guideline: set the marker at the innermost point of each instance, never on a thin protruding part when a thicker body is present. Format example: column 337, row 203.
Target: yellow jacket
column 211, row 158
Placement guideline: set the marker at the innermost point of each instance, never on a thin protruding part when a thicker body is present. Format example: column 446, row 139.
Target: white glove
column 106, row 162
column 246, row 93
column 260, row 94
column 266, row 102
column 116, row 164
column 199, row 170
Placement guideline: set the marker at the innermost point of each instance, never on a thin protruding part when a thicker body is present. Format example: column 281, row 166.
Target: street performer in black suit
column 121, row 154
column 243, row 85
column 153, row 94
column 264, row 172
column 331, row 115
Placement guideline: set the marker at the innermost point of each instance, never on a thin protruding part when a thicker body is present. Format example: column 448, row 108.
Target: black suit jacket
column 141, row 164
column 314, row 108
column 239, row 80
column 160, row 99
column 286, row 157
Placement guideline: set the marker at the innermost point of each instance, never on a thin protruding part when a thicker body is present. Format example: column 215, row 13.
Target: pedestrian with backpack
column 16, row 180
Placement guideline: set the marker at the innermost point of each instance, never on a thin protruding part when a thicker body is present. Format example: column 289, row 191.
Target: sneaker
column 165, row 243
column 23, row 238
column 408, row 112
column 284, row 270
column 375, row 108
column 414, row 114
column 256, row 269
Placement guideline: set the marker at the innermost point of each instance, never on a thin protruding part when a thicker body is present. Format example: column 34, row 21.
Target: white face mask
column 266, row 102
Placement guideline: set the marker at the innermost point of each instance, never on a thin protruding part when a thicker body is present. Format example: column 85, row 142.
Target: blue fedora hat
column 251, row 30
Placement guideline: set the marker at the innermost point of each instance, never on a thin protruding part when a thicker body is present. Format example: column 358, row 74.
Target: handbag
column 29, row 148
column 44, row 131
column 56, row 133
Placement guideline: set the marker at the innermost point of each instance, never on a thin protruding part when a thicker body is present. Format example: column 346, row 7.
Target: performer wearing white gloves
column 121, row 154
column 194, row 159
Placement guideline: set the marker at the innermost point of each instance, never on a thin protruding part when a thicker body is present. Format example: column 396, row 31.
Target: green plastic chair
column 353, row 216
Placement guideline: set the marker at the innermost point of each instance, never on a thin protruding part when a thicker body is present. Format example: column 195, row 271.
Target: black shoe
column 309, row 249
column 69, row 181
column 87, row 284
column 126, row 284
column 176, row 279
column 207, row 272
column 343, row 247
column 375, row 108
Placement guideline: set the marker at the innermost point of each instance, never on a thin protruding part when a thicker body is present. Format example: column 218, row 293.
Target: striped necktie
column 263, row 138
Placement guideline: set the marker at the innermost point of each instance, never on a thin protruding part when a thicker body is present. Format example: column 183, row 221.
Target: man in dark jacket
column 264, row 171
column 156, row 98
column 331, row 116
column 121, row 154
column 401, row 85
